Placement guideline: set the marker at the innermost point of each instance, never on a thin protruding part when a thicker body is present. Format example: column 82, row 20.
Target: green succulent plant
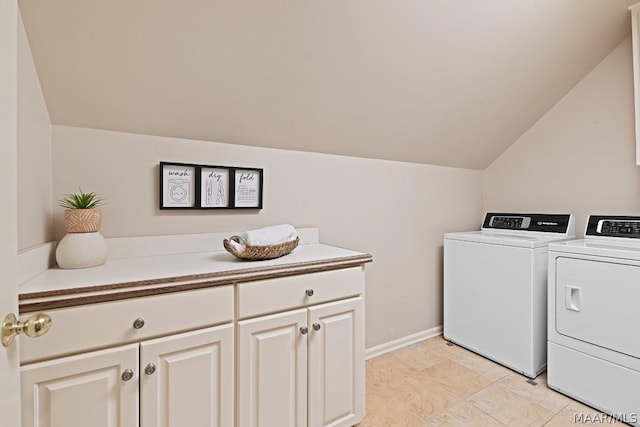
column 81, row 200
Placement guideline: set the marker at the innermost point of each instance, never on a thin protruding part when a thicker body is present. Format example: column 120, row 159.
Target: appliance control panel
column 614, row 226
column 550, row 223
column 510, row 222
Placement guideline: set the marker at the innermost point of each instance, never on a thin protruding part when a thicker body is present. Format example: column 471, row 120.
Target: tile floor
column 434, row 384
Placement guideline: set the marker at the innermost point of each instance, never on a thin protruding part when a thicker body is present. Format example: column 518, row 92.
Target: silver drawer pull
column 304, row 330
column 138, row 323
column 150, row 369
column 309, row 292
column 316, row 326
column 127, row 375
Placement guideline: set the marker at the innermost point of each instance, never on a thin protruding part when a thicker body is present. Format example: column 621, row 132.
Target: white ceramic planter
column 81, row 250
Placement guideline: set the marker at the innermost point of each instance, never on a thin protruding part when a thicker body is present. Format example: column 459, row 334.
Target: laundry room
column 382, row 127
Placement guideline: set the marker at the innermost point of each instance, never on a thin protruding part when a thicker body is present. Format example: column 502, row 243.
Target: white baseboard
column 396, row 344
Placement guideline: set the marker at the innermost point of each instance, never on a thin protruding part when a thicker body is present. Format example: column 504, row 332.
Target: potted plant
column 82, row 214
column 83, row 246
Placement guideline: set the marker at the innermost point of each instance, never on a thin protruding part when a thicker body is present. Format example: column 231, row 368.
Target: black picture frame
column 247, row 188
column 214, row 187
column 197, row 186
column 177, row 185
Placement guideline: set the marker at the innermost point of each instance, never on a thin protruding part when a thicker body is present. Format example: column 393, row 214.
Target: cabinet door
column 187, row 379
column 336, row 363
column 272, row 370
column 84, row 390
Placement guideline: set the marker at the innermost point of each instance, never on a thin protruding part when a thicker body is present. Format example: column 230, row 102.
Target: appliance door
column 488, row 301
column 597, row 302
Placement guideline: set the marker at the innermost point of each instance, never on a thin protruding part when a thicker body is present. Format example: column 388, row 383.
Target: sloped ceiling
column 445, row 82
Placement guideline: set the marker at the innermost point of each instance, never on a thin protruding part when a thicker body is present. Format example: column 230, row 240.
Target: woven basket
column 259, row 252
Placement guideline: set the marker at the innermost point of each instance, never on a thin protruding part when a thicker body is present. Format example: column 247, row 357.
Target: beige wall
column 580, row 157
column 575, row 159
column 396, row 211
column 35, row 225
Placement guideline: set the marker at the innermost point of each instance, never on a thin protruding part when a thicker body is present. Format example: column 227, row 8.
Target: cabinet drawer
column 83, row 328
column 272, row 295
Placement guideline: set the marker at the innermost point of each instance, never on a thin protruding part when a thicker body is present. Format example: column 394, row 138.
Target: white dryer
column 594, row 317
column 495, row 287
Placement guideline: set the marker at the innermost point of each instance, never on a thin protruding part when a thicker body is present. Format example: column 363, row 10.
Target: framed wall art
column 247, row 188
column 177, row 185
column 214, row 187
column 194, row 186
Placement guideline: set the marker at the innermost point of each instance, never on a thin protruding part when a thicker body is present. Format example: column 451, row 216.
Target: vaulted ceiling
column 445, row 82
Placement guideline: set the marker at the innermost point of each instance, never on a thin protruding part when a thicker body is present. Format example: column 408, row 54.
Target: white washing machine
column 495, row 287
column 594, row 317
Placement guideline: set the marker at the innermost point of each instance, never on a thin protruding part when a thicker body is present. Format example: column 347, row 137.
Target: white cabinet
column 302, row 366
column 336, row 363
column 174, row 380
column 272, row 370
column 93, row 326
column 186, row 379
column 83, row 390
column 283, row 351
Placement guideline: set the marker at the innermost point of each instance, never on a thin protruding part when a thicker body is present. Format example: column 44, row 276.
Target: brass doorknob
column 35, row 326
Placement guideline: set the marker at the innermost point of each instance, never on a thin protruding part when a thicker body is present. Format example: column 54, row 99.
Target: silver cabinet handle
column 304, row 330
column 138, row 323
column 317, row 326
column 150, row 369
column 309, row 292
column 127, row 375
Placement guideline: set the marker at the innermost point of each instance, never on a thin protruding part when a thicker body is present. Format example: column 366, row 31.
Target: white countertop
column 152, row 268
column 146, row 266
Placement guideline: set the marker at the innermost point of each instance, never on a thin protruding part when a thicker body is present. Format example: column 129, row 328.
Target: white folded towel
column 239, row 247
column 272, row 235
